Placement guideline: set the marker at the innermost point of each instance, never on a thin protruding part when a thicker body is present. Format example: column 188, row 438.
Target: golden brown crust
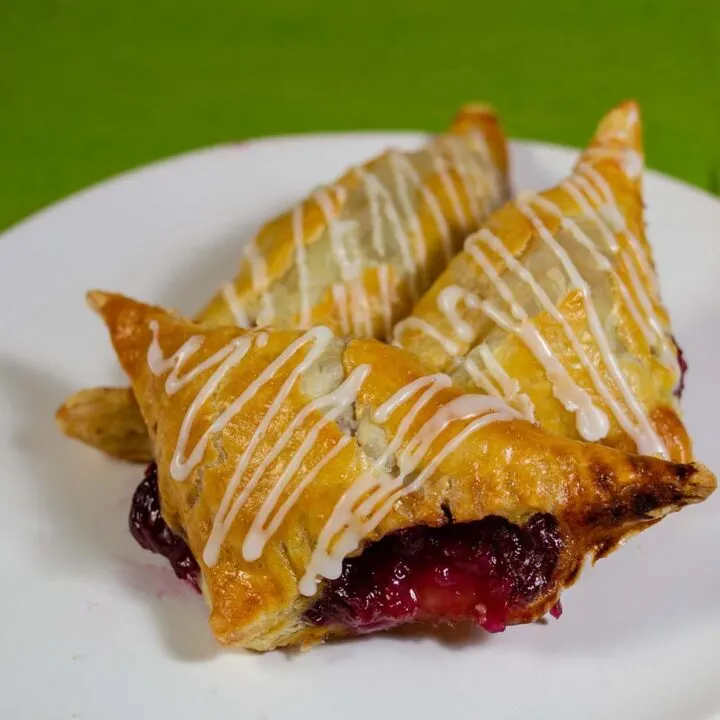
column 385, row 284
column 108, row 419
column 276, row 241
column 509, row 468
column 624, row 296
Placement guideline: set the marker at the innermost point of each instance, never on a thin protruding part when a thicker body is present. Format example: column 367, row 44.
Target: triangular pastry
column 354, row 256
column 330, row 487
column 554, row 306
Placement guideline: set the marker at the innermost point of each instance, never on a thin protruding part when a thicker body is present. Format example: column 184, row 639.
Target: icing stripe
column 233, row 302
column 648, row 442
column 368, row 500
column 301, row 263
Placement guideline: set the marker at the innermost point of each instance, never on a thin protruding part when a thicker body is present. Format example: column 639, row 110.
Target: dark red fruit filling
column 480, row 571
column 152, row 533
column 683, row 370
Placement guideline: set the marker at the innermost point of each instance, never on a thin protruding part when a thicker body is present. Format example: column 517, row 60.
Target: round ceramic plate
column 93, row 627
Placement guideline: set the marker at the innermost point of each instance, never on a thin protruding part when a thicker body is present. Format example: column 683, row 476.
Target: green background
column 91, row 88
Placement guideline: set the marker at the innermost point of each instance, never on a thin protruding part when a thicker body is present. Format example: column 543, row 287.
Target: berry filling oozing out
column 683, row 370
column 152, row 533
column 480, row 571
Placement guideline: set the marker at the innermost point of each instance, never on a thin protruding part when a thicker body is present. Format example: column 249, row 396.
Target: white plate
column 93, row 627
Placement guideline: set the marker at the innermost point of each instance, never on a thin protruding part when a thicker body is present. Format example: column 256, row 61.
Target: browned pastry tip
column 108, row 419
column 621, row 127
column 484, row 117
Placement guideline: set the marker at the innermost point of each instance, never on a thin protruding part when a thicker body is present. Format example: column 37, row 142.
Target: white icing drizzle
column 592, row 423
column 575, row 187
column 301, row 262
column 601, row 260
column 258, row 266
column 227, row 357
column 339, row 293
column 158, row 363
column 361, row 301
column 615, row 218
column 333, row 404
column 405, row 224
column 262, row 530
column 480, row 378
column 404, row 169
column 386, row 298
column 447, row 301
column 233, row 302
column 464, row 174
column 367, row 502
column 182, row 464
column 340, row 192
column 496, row 184
column 350, row 270
column 448, row 344
column 259, row 282
column 337, row 232
column 511, row 389
column 376, row 234
column 385, row 410
column 631, row 160
column 266, row 312
column 448, row 185
column 378, row 193
column 471, row 161
column 320, row 337
column 400, row 176
column 668, row 355
column 649, row 324
column 646, row 439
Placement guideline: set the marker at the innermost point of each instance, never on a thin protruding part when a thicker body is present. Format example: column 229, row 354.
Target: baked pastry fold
column 354, row 256
column 314, row 477
column 554, row 306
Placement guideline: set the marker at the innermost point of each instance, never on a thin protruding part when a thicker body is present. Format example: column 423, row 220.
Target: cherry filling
column 481, row 571
column 683, row 370
column 152, row 533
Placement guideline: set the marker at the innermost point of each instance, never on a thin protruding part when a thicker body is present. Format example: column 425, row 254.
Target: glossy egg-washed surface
column 356, row 255
column 554, row 306
column 267, row 467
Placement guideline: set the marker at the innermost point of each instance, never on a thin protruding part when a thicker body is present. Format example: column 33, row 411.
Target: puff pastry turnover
column 554, row 306
column 354, row 256
column 329, row 487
